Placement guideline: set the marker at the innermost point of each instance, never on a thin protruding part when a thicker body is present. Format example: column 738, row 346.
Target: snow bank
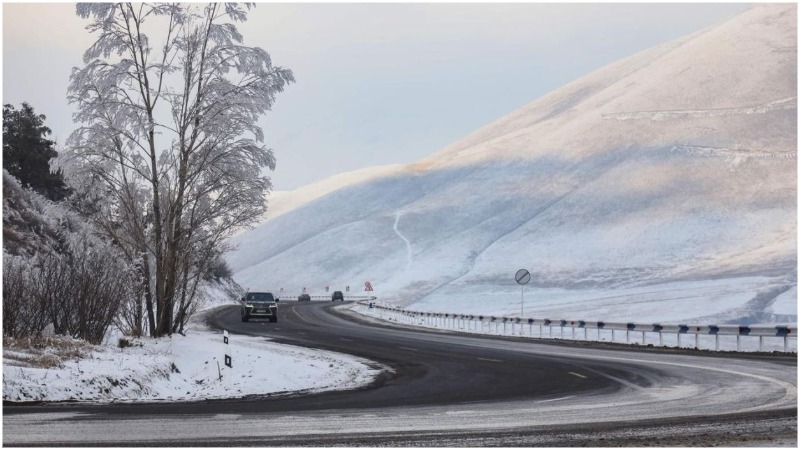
column 185, row 368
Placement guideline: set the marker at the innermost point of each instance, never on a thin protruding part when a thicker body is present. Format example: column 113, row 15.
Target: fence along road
column 741, row 338
column 451, row 389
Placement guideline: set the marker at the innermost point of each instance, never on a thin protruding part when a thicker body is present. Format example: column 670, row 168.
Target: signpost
column 368, row 286
column 523, row 277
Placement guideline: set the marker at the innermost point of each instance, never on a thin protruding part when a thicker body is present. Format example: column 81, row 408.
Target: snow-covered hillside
column 665, row 182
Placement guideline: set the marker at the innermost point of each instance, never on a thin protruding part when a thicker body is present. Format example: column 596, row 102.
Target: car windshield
column 260, row 297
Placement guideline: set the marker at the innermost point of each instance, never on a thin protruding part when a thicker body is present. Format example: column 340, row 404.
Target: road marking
column 577, row 375
column 490, row 359
column 343, row 339
column 409, row 348
column 555, row 399
column 300, row 316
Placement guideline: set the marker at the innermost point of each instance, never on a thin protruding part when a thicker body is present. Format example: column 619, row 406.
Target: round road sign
column 522, row 276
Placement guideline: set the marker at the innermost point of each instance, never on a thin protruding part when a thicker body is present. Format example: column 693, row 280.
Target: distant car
column 304, row 298
column 259, row 305
column 337, row 295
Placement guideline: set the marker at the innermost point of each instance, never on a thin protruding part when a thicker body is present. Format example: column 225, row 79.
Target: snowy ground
column 744, row 300
column 662, row 187
column 181, row 368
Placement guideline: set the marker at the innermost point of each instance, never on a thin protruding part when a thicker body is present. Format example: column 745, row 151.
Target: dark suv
column 337, row 295
column 303, row 298
column 259, row 305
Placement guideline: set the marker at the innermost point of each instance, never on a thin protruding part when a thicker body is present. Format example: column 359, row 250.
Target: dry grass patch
column 43, row 352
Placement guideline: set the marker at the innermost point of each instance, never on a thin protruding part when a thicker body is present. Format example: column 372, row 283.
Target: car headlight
column 248, row 306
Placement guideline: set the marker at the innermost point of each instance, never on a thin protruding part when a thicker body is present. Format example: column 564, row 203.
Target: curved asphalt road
column 452, row 389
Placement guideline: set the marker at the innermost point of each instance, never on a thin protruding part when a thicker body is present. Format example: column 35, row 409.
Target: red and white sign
column 281, row 290
column 326, row 288
column 304, row 290
column 368, row 286
column 347, row 288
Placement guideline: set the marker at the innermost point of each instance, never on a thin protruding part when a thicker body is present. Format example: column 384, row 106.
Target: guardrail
column 483, row 324
column 328, row 297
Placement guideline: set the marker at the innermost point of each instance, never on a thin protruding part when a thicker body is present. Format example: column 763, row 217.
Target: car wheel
column 273, row 319
column 245, row 318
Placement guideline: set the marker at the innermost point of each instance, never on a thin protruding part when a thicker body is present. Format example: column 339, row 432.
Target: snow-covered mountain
column 660, row 187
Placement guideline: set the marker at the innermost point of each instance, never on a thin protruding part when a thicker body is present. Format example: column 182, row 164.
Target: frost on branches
column 169, row 159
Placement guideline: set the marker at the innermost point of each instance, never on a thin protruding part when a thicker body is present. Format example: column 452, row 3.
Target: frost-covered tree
column 169, row 159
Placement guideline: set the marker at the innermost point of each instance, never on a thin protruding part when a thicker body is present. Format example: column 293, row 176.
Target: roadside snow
column 187, row 368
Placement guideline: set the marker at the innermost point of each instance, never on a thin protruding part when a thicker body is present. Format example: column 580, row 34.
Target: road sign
column 304, row 290
column 522, row 276
column 281, row 290
column 347, row 288
column 368, row 286
column 326, row 288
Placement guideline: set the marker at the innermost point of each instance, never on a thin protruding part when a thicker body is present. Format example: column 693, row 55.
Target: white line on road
column 555, row 399
column 409, row 348
column 577, row 375
column 343, row 339
column 490, row 359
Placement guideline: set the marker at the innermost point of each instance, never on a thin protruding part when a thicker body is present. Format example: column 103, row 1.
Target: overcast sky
column 377, row 83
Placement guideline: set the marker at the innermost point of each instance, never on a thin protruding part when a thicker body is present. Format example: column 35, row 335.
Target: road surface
column 454, row 390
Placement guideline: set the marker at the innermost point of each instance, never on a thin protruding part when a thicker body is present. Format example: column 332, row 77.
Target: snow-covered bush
column 57, row 271
column 23, row 315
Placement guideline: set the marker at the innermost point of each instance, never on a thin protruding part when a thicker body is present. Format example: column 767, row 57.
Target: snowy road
column 457, row 390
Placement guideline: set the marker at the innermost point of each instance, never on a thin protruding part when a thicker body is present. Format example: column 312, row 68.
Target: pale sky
column 377, row 83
